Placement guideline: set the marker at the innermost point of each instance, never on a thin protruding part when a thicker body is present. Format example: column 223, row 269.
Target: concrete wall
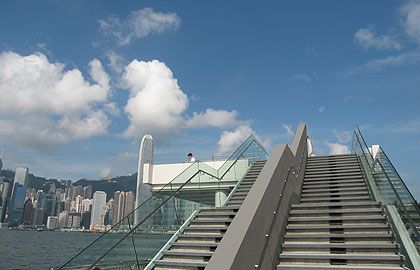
column 264, row 211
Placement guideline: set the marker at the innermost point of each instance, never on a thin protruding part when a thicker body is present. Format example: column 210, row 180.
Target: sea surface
column 49, row 249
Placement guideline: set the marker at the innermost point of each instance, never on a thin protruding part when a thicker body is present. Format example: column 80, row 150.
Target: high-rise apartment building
column 123, row 205
column 87, row 192
column 98, row 210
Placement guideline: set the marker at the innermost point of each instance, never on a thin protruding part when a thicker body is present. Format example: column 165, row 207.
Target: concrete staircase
column 195, row 246
column 336, row 225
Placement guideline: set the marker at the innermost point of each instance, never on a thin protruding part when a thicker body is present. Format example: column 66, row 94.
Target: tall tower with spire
column 145, row 166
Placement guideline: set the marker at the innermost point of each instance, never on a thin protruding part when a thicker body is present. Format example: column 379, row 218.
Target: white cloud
column 43, row 105
column 304, row 77
column 321, row 109
column 105, row 173
column 381, row 64
column 139, row 24
column 301, row 77
column 288, row 129
column 115, row 62
column 337, row 148
column 213, row 118
column 343, row 136
column 112, row 109
column 230, row 140
column 411, row 13
column 156, row 101
column 367, row 38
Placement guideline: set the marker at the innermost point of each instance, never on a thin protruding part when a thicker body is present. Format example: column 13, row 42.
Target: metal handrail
column 399, row 200
column 405, row 186
column 254, row 140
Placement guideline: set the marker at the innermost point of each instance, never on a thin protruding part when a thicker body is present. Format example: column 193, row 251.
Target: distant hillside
column 119, row 183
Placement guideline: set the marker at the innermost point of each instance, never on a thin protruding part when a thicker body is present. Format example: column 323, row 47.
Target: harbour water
column 49, row 249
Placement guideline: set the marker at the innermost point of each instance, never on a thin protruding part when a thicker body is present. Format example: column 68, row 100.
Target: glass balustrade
column 135, row 239
column 386, row 185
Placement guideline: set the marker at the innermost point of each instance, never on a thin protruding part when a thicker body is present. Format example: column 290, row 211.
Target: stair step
column 334, row 204
column 340, row 245
column 331, row 179
column 347, row 198
column 345, row 227
column 312, row 266
column 338, row 171
column 336, row 211
column 383, row 258
column 360, row 183
column 333, row 189
column 333, row 194
column 188, row 253
column 349, row 218
column 180, row 264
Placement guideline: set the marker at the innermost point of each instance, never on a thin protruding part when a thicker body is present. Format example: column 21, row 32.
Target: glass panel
column 387, row 186
column 161, row 215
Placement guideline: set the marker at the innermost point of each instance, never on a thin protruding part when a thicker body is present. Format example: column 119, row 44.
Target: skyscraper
column 16, row 205
column 87, row 192
column 1, row 157
column 27, row 212
column 123, row 205
column 21, row 176
column 98, row 210
column 4, row 198
column 144, row 166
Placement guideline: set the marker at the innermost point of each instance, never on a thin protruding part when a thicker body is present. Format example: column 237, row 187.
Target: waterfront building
column 16, row 205
column 49, row 206
column 37, row 216
column 40, row 199
column 98, row 210
column 123, row 205
column 52, row 223
column 86, row 205
column 4, row 198
column 85, row 224
column 87, row 192
column 62, row 219
column 28, row 209
column 74, row 219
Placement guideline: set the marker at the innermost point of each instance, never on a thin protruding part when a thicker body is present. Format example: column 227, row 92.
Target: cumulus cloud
column 138, row 24
column 213, row 118
column 321, row 109
column 156, row 101
column 367, row 38
column 337, row 148
column 42, row 104
column 158, row 105
column 230, row 140
column 411, row 13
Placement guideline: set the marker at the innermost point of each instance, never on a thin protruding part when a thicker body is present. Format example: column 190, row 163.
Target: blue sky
column 202, row 76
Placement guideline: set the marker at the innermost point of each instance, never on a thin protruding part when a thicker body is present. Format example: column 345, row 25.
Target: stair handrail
column 247, row 143
column 399, row 200
column 398, row 175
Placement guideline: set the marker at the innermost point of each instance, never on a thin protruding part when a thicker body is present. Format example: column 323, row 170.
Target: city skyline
column 219, row 79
